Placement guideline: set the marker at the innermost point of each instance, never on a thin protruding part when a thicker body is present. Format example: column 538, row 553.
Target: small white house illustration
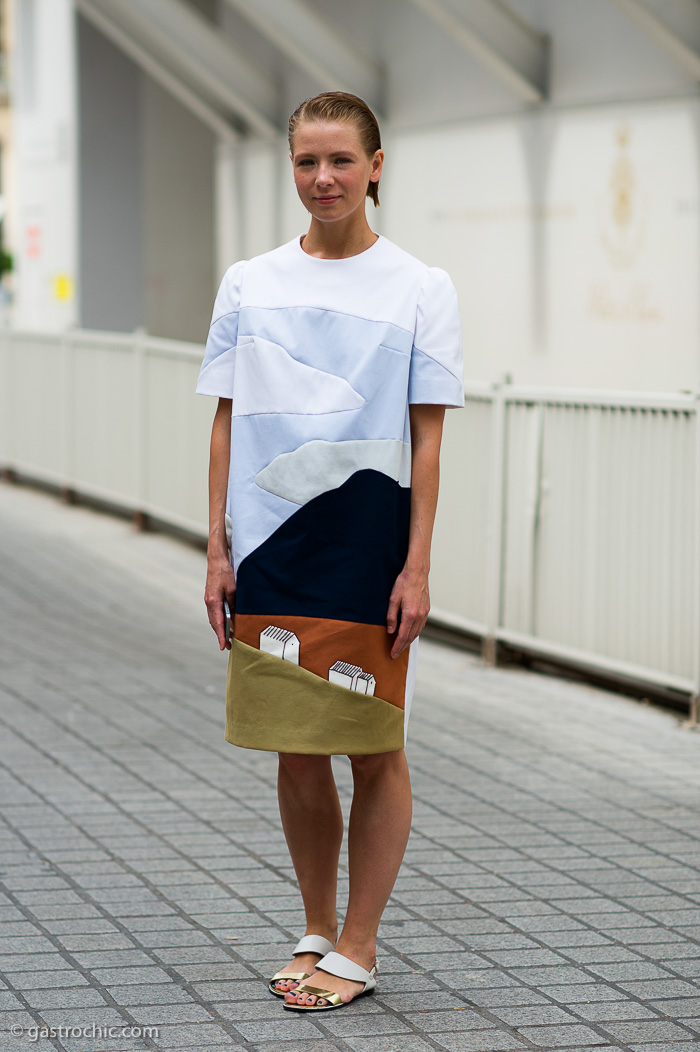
column 351, row 677
column 365, row 683
column 280, row 642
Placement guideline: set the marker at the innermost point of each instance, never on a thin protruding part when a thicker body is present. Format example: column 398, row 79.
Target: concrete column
column 44, row 94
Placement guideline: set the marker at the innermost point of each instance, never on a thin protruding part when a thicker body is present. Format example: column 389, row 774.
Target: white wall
column 573, row 238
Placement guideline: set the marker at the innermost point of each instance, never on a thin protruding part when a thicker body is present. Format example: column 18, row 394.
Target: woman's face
column 331, row 169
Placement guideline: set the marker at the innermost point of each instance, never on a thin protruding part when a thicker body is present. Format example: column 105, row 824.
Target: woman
column 333, row 358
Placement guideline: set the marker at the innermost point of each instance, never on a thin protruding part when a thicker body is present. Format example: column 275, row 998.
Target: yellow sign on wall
column 62, row 286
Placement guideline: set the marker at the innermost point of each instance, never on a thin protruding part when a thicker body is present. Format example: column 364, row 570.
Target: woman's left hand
column 409, row 606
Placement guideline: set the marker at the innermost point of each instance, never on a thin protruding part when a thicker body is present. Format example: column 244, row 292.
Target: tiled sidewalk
column 550, row 897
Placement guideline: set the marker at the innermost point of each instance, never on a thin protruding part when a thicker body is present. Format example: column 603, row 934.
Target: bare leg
column 313, row 826
column 380, row 822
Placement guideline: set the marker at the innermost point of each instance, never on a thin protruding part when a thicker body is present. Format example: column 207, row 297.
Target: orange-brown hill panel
column 322, row 642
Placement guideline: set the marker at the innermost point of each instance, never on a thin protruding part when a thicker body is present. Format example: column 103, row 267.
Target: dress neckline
column 341, row 259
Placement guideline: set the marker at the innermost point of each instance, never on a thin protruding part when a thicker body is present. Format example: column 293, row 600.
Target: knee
column 301, row 766
column 378, row 764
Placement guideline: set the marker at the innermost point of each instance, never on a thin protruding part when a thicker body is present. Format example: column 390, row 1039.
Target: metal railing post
column 695, row 697
column 140, row 431
column 494, row 536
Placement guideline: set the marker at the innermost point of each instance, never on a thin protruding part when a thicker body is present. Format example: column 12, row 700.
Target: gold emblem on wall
column 624, row 207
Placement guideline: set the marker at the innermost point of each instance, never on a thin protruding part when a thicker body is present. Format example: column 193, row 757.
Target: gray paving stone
column 191, row 955
column 226, row 971
column 614, row 1010
column 653, row 990
column 8, row 1001
column 282, row 1031
column 654, row 1046
column 550, row 1037
column 10, row 1019
column 528, row 958
column 455, row 1020
column 49, row 979
column 678, row 1008
column 633, row 970
column 247, row 1010
column 120, row 976
column 481, row 1041
column 517, row 995
column 136, row 995
column 656, row 1030
column 438, row 961
column 533, row 1015
column 313, row 1045
column 351, row 1023
column 79, row 997
column 402, row 1043
column 93, row 959
column 84, row 1017
column 103, row 941
column 34, row 962
column 550, row 975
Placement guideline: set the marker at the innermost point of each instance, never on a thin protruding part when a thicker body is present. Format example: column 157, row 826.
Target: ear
column 377, row 165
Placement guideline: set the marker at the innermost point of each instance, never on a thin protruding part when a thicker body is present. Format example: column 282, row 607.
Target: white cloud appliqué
column 319, row 466
column 268, row 380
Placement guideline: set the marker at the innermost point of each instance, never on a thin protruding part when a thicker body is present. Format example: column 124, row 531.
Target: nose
column 324, row 174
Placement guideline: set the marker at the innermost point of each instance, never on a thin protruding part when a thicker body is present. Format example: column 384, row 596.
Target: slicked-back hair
column 337, row 106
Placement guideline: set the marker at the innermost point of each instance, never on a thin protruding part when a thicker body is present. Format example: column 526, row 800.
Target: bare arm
column 410, row 599
column 221, row 582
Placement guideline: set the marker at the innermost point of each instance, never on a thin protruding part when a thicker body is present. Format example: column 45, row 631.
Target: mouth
column 327, row 200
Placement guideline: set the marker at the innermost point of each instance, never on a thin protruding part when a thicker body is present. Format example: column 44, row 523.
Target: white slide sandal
column 307, row 944
column 335, row 964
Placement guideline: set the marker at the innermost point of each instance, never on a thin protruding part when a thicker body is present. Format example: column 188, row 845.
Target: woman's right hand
column 220, row 586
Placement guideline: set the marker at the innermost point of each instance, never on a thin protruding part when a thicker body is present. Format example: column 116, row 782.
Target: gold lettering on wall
column 635, row 303
column 623, row 209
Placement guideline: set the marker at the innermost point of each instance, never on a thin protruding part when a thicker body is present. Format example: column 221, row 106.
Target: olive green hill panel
column 275, row 705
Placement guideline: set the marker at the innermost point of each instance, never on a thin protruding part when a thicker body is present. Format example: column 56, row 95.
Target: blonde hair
column 335, row 106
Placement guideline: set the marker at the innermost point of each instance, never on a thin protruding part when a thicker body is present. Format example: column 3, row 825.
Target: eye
column 304, row 163
column 343, row 160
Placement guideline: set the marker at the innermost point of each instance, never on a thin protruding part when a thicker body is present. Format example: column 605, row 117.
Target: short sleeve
column 216, row 373
column 436, row 358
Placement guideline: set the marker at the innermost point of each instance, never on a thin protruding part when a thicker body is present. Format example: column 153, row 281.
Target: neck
column 338, row 240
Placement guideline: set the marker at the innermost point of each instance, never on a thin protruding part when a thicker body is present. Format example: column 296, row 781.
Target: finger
column 215, row 613
column 413, row 629
column 392, row 615
column 402, row 640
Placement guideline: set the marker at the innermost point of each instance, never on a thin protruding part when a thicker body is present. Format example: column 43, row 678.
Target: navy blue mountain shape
column 337, row 557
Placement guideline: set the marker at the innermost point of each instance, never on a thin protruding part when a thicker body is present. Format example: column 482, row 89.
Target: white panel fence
column 569, row 520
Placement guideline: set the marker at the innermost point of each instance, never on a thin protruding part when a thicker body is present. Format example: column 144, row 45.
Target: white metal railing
column 111, row 416
column 568, row 523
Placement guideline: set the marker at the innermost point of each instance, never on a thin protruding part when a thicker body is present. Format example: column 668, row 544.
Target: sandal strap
column 294, row 976
column 313, row 944
column 327, row 995
column 336, row 964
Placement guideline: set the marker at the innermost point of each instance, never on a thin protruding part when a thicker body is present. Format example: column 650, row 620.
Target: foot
column 303, row 962
column 346, row 989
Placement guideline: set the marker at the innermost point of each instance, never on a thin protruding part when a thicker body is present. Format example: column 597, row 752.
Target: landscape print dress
column 321, row 358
